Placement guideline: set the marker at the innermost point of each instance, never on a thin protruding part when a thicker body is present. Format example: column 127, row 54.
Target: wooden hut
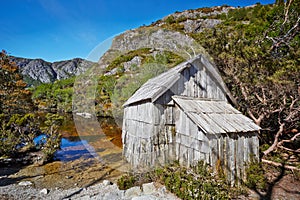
column 186, row 114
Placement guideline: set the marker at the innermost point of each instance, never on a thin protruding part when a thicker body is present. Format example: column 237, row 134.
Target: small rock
column 44, row 191
column 149, row 188
column 69, row 177
column 111, row 196
column 132, row 192
column 5, row 176
column 144, row 197
column 106, row 182
column 25, row 183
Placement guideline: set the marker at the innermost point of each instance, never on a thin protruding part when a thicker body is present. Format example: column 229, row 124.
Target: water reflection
column 72, row 150
column 102, row 143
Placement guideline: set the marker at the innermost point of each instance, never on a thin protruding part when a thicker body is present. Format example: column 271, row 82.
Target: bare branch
column 259, row 98
column 288, row 149
column 288, row 141
column 276, row 140
column 256, row 120
column 287, row 9
column 280, row 165
column 293, row 103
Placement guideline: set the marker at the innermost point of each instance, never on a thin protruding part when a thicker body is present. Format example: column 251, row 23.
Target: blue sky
column 63, row 29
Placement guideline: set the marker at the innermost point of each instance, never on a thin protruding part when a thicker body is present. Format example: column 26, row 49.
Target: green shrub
column 197, row 182
column 255, row 176
column 126, row 181
column 53, row 137
column 17, row 133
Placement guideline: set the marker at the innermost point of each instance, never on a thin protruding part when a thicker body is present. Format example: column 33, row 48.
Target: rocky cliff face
column 194, row 21
column 170, row 33
column 40, row 71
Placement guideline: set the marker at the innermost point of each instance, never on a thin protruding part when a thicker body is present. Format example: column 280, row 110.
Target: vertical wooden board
column 178, row 138
column 161, row 112
column 187, row 123
column 148, row 112
column 125, row 111
column 207, row 158
column 227, row 159
column 214, row 90
column 197, row 84
column 190, row 156
column 140, row 112
column 156, row 115
column 177, row 151
column 256, row 146
column 169, row 134
column 240, row 157
column 193, row 130
column 246, row 149
column 221, row 95
column 169, row 115
column 180, row 123
column 184, row 140
column 124, row 135
column 129, row 126
column 209, row 86
column 197, row 156
column 221, row 151
column 186, row 75
column 200, row 135
column 181, row 85
column 181, row 153
column 161, row 135
column 137, row 113
column 203, row 83
column 192, row 87
column 147, row 117
column 232, row 160
column 215, row 150
column 172, row 114
column 171, row 152
column 133, row 127
column 234, row 150
column 195, row 143
column 147, row 132
column 251, row 149
column 143, row 146
column 205, row 145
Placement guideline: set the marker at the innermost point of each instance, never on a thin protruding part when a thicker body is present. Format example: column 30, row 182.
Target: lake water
column 85, row 158
column 100, row 143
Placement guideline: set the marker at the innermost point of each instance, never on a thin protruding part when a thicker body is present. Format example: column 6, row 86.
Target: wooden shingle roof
column 158, row 85
column 215, row 116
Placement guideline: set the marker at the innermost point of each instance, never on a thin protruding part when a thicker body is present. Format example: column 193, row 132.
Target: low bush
column 197, row 182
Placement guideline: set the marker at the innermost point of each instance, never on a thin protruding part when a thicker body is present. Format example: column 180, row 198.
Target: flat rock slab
column 104, row 191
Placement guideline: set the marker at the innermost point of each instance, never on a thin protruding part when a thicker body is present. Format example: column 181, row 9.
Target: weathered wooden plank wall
column 148, row 134
column 196, row 82
column 228, row 152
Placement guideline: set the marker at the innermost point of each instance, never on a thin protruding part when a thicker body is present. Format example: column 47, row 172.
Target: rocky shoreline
column 104, row 191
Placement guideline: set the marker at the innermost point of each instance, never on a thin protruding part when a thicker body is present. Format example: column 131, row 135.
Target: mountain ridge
column 36, row 71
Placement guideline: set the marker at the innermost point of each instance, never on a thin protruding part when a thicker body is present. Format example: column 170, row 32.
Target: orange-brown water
column 84, row 159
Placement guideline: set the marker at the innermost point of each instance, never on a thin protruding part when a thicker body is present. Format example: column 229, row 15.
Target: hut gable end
column 195, row 78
